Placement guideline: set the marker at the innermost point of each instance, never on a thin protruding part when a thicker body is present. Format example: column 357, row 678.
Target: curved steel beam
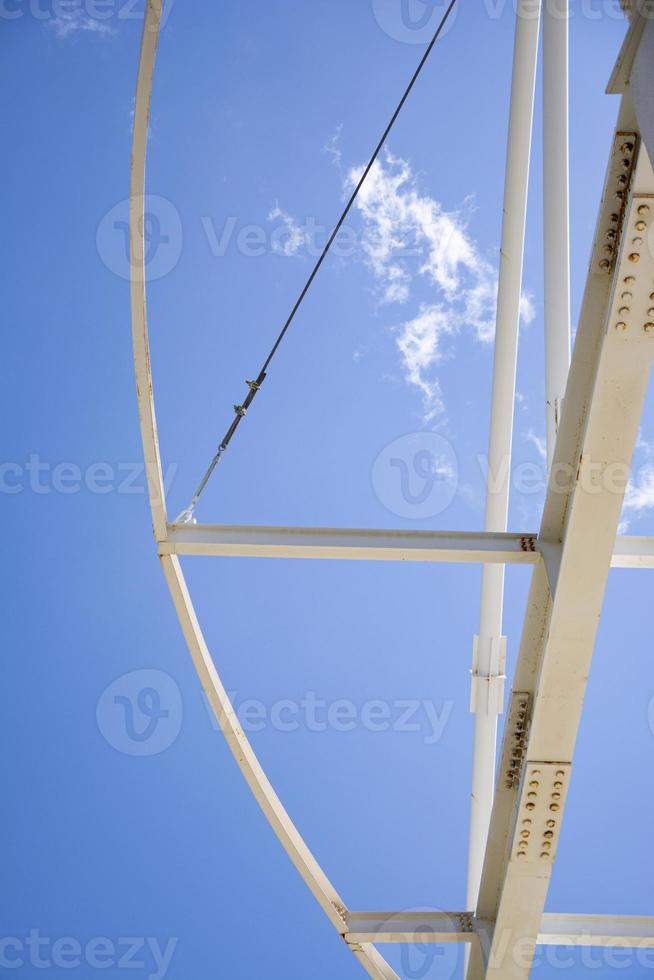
column 245, row 757
column 137, row 269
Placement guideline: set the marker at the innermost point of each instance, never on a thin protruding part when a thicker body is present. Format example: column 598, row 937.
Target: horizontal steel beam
column 597, row 930
column 633, row 552
column 626, row 931
column 480, row 547
column 345, row 543
column 410, row 927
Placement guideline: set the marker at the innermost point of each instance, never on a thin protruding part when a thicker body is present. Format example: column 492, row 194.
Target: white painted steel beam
column 603, row 404
column 556, row 929
column 487, row 669
column 244, row 755
column 352, row 544
column 343, row 543
column 627, row 931
column 246, row 759
column 410, row 927
column 633, row 551
column 556, row 221
column 138, row 272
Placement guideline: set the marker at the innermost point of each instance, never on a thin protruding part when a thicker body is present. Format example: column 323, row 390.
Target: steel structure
column 593, row 419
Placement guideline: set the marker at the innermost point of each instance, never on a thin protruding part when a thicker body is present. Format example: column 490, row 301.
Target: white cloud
column 539, row 442
column 332, row 147
column 76, row 19
column 639, row 495
column 288, row 238
column 406, row 235
column 419, row 343
column 527, row 308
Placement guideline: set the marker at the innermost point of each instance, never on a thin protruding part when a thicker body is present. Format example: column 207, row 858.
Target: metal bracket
column 551, row 552
column 487, row 690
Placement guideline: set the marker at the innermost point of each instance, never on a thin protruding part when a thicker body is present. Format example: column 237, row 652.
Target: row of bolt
column 550, row 824
column 627, row 149
column 518, row 749
column 627, row 295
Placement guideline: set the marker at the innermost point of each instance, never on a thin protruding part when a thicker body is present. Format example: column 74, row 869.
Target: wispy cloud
column 332, row 147
column 76, row 19
column 408, row 235
column 539, row 442
column 639, row 495
column 420, row 345
column 288, row 238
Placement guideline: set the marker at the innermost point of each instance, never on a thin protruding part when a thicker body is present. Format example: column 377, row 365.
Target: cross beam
column 248, row 541
column 556, row 929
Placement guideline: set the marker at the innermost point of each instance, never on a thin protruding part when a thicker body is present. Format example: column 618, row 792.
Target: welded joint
column 342, row 913
column 551, row 552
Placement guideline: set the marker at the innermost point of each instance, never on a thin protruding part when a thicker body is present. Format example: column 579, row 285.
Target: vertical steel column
column 556, row 222
column 487, row 680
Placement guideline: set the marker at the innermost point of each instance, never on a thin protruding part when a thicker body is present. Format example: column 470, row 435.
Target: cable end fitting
column 186, row 516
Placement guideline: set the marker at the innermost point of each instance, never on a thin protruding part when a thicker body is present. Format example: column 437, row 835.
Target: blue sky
column 122, row 823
